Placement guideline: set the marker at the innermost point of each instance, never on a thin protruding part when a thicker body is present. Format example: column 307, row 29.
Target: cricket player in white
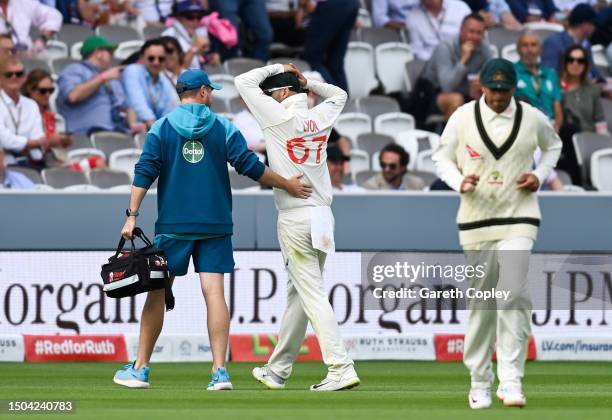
column 296, row 142
column 486, row 153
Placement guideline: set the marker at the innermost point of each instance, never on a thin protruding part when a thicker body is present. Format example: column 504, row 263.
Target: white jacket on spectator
column 23, row 14
column 296, row 137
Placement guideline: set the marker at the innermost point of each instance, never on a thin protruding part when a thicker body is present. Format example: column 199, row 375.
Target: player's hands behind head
column 296, row 188
column 292, row 68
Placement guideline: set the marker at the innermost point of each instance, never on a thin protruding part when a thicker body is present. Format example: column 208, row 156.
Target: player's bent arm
column 551, row 145
column 293, row 185
column 444, row 157
column 264, row 108
column 149, row 164
column 334, row 99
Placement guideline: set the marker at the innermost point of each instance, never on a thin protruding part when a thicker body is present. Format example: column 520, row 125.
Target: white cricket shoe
column 479, row 398
column 332, row 385
column 511, row 395
column 269, row 379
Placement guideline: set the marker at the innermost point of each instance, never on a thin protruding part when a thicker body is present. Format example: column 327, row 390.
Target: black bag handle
column 136, row 233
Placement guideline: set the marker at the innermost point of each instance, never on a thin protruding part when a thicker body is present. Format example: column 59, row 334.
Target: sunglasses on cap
column 9, row 74
column 269, row 91
column 154, row 58
column 579, row 60
column 45, row 91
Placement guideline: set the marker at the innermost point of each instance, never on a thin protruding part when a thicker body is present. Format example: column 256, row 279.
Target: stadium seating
column 124, row 160
column 210, row 69
column 375, row 162
column 63, row 177
column 412, row 71
column 56, row 49
column 237, row 66
column 500, row 37
column 424, row 162
column 377, row 36
column 301, row 64
column 127, row 48
column 236, row 105
column 352, row 124
column 108, row 141
column 118, row 33
column 82, row 188
column 75, row 50
column 58, row 64
column 30, row 64
column 509, row 52
column 360, row 161
column 376, row 105
column 75, row 155
column 599, row 56
column 392, row 123
column 373, row 142
column 427, row 177
column 601, row 169
column 229, row 90
column 219, row 105
column 359, row 69
column 585, row 144
column 80, row 141
column 107, row 178
column 351, row 106
column 32, row 174
column 391, row 57
column 151, row 32
column 415, row 141
column 607, row 107
column 72, row 34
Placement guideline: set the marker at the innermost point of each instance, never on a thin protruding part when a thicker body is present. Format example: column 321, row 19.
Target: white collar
column 297, row 104
column 8, row 100
column 489, row 115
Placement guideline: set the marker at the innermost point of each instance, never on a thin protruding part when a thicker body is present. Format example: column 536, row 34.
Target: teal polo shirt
column 542, row 89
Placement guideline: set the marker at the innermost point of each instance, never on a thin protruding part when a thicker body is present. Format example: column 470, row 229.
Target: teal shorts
column 210, row 255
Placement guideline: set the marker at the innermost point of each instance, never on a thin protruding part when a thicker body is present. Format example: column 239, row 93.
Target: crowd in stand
column 42, row 112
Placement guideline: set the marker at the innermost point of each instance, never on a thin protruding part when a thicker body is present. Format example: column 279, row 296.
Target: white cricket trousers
column 306, row 301
column 504, row 330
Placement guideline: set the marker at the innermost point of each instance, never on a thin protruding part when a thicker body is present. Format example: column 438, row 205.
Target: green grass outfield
column 419, row 390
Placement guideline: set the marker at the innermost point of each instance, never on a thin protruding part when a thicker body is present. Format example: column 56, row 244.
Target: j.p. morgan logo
column 193, row 151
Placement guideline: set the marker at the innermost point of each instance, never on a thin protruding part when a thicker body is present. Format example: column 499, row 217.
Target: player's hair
column 190, row 93
column 475, row 16
column 152, row 43
column 398, row 150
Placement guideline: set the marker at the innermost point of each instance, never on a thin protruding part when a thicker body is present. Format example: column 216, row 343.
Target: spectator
column 533, row 10
column 287, row 20
column 175, row 58
column 394, row 176
column 454, row 67
column 250, row 129
column 581, row 105
column 432, row 22
column 11, row 179
column 193, row 38
column 91, row 97
column 327, row 38
column 154, row 12
column 336, row 163
column 538, row 85
column 21, row 128
column 581, row 26
column 18, row 16
column 175, row 63
column 566, row 6
column 150, row 95
column 110, row 12
column 39, row 87
column 392, row 13
column 495, row 12
column 252, row 13
column 7, row 46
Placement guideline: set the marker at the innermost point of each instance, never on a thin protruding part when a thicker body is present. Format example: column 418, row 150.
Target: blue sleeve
column 135, row 89
column 238, row 154
column 71, row 77
column 519, row 9
column 149, row 165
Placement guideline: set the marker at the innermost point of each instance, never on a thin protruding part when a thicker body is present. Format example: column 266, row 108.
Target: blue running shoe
column 132, row 378
column 220, row 381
